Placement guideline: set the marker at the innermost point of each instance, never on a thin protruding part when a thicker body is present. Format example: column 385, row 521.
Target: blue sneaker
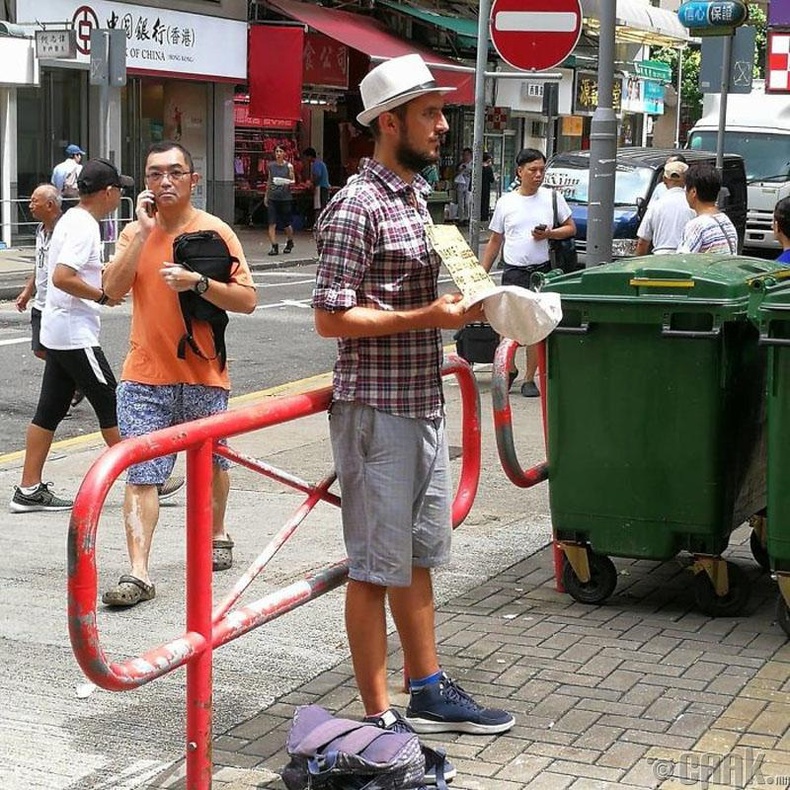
column 438, row 769
column 445, row 707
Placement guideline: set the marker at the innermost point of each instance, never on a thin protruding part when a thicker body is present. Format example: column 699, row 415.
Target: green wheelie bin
column 770, row 310
column 656, row 419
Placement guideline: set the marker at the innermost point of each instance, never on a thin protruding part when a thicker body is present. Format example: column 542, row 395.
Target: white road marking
column 14, row 341
column 536, row 21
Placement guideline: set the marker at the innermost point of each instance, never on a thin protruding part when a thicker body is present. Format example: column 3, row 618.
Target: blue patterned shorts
column 143, row 408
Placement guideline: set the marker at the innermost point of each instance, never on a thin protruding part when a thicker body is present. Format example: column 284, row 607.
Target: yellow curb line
column 291, row 388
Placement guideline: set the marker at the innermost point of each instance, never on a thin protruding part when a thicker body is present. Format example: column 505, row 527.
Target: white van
column 758, row 128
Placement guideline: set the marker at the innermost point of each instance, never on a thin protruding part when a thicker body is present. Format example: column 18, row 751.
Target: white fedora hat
column 393, row 83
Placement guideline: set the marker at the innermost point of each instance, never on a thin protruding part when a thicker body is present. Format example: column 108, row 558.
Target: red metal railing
column 503, row 425
column 207, row 627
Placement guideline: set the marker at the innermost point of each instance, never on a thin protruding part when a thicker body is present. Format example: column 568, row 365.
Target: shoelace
column 455, row 693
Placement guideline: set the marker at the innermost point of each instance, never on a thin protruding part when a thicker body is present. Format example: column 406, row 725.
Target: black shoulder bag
column 205, row 252
column 562, row 252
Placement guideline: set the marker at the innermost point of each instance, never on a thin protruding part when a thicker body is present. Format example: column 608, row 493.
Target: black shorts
column 35, row 330
column 522, row 275
column 280, row 212
column 85, row 369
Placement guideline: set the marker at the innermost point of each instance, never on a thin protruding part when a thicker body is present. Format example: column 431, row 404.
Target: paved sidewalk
column 640, row 692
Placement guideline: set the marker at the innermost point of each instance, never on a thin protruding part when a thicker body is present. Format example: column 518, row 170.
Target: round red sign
column 535, row 35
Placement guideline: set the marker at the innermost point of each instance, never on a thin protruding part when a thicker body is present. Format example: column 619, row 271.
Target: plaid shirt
column 373, row 252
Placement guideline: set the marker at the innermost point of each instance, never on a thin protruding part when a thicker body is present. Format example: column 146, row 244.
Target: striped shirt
column 373, row 252
column 710, row 233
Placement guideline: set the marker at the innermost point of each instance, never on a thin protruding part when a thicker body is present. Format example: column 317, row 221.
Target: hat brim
column 366, row 116
column 126, row 181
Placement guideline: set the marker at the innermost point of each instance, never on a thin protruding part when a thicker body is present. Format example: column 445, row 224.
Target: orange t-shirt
column 157, row 322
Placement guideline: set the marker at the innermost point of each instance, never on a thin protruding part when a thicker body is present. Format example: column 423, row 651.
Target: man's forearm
column 119, row 274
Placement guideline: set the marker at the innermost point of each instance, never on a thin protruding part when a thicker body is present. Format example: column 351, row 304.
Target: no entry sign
column 535, row 35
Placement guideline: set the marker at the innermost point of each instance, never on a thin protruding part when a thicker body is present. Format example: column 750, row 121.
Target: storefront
column 20, row 72
column 337, row 50
column 180, row 86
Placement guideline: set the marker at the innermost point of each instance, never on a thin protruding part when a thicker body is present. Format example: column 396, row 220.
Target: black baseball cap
column 97, row 174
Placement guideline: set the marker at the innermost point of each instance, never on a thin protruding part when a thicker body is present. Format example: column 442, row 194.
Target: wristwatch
column 201, row 286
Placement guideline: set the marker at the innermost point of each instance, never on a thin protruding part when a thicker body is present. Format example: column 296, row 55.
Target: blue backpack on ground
column 340, row 754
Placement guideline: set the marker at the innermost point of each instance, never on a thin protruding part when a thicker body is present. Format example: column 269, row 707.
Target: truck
column 757, row 128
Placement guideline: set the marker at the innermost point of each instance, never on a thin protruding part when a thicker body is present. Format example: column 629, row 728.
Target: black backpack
column 205, row 252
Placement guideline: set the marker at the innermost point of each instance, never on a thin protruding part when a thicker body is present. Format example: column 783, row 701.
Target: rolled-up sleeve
column 346, row 241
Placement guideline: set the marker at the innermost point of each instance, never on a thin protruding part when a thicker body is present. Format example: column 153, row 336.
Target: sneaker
column 289, row 245
column 275, row 250
column 170, row 487
column 530, row 390
column 445, row 707
column 41, row 499
column 434, row 758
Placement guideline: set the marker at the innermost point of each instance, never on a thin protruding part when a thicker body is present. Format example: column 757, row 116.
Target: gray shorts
column 394, row 475
column 143, row 408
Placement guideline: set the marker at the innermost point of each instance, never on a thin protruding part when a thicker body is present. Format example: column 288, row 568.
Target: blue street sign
column 713, row 18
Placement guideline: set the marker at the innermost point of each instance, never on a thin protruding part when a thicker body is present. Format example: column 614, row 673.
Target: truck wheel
column 603, row 580
column 759, row 552
column 783, row 614
column 729, row 605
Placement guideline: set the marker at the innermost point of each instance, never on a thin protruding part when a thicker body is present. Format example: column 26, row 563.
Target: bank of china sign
column 157, row 40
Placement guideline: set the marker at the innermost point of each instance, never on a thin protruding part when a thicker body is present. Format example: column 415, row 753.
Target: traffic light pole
column 479, row 125
column 603, row 147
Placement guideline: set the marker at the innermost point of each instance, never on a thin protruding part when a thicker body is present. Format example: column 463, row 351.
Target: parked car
column 638, row 172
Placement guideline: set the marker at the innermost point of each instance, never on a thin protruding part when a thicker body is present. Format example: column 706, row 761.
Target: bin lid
column 723, row 281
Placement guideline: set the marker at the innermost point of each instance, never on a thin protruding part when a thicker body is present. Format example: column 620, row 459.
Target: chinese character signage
column 56, row 44
column 325, row 62
column 585, row 97
column 157, row 39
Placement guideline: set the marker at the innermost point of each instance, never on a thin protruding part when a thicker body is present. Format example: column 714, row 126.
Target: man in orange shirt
column 158, row 389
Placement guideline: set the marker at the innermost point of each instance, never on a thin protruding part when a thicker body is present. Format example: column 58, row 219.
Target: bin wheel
column 728, row 605
column 783, row 614
column 603, row 580
column 759, row 552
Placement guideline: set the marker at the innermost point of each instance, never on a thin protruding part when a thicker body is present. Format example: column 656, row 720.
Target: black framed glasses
column 156, row 176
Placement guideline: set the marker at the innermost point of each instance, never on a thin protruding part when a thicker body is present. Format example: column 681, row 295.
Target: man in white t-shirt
column 663, row 223
column 524, row 221
column 70, row 327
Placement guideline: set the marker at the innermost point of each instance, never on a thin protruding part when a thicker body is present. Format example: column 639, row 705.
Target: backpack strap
column 554, row 206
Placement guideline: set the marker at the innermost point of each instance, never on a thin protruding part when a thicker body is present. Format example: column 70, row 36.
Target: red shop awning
column 372, row 38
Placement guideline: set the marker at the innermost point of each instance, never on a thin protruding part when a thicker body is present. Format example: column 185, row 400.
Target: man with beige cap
column 376, row 292
column 662, row 226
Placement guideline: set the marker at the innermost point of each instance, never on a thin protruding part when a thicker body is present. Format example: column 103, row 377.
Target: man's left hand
column 178, row 278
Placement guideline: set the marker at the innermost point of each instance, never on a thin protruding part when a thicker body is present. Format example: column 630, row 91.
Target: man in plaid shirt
column 376, row 292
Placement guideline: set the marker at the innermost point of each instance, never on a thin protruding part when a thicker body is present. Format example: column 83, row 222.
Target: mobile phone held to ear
column 150, row 207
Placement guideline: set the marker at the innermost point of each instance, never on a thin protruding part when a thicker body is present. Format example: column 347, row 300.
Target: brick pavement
column 642, row 692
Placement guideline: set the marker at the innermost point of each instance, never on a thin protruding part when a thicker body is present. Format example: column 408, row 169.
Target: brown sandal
column 222, row 554
column 129, row 591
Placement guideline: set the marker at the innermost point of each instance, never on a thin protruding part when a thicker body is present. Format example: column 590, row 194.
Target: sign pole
column 726, row 65
column 603, row 148
column 479, row 125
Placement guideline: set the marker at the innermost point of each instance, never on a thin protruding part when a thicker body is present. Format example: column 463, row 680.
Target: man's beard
column 411, row 159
